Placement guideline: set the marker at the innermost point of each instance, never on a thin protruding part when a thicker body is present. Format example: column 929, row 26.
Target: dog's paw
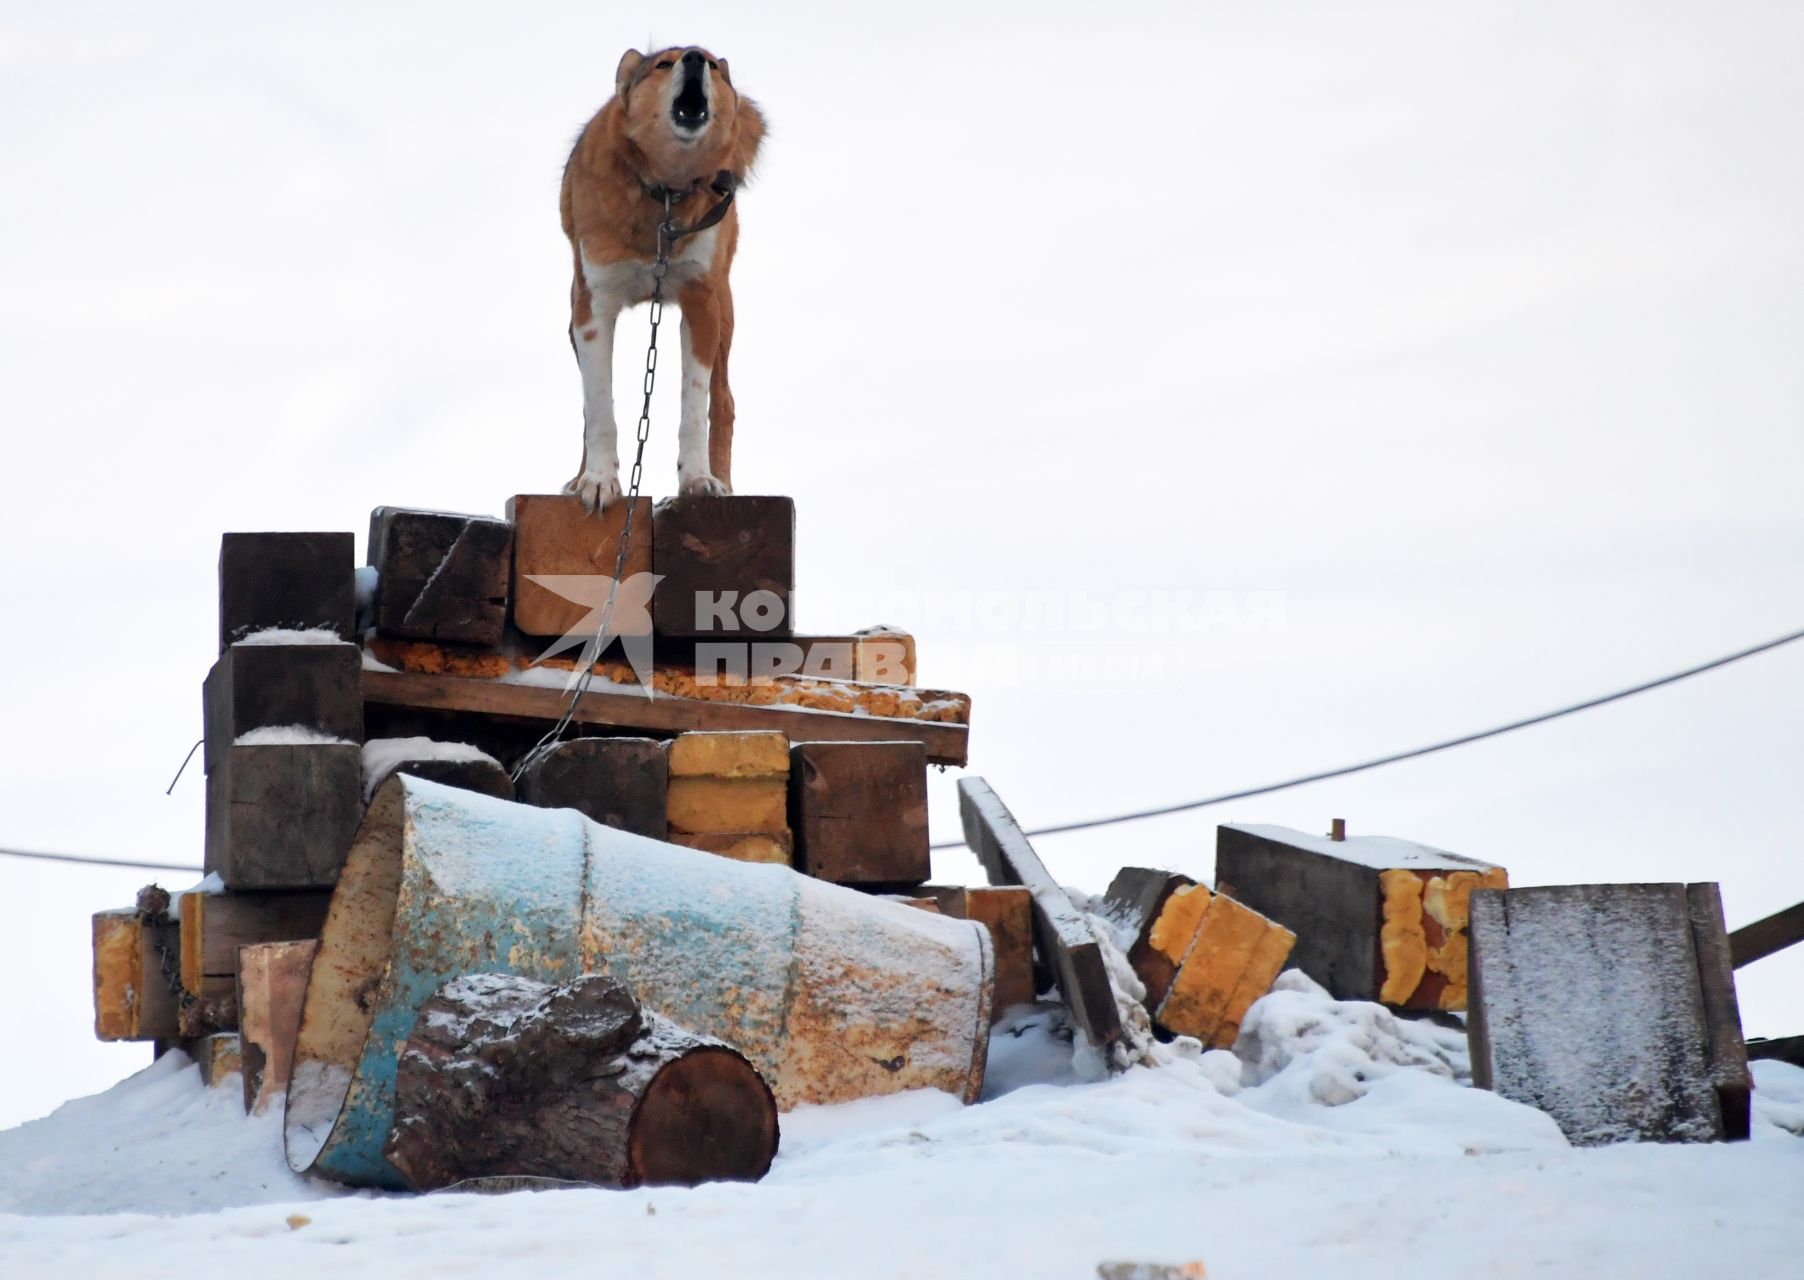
column 598, row 489
column 703, row 484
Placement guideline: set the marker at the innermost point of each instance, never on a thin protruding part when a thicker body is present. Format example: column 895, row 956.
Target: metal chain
column 153, row 914
column 664, row 238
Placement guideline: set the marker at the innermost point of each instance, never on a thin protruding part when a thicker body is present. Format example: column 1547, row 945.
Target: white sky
column 1475, row 330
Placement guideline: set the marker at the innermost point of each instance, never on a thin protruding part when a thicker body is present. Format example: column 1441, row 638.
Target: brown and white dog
column 674, row 124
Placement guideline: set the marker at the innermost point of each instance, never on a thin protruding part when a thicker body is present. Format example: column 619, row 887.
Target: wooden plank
column 1376, row 918
column 1586, row 1003
column 556, row 536
column 295, row 581
column 1060, row 932
column 618, row 782
column 945, row 743
column 1778, row 1049
column 727, row 566
column 272, row 986
column 1008, row 913
column 282, row 816
column 132, row 999
column 439, row 575
column 1728, row 1052
column 1761, row 939
column 266, row 686
column 216, row 925
column 859, row 812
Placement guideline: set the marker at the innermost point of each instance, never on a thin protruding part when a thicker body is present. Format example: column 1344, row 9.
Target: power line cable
column 93, row 862
column 1461, row 741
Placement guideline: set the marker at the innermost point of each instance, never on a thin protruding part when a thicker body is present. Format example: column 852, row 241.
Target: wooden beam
column 215, row 925
column 632, row 709
column 1761, row 939
column 132, row 999
column 1061, row 933
column 272, row 985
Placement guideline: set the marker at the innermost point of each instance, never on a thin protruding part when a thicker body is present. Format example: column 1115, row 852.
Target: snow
column 1247, row 1164
column 288, row 735
column 382, row 756
column 287, row 635
column 1383, row 853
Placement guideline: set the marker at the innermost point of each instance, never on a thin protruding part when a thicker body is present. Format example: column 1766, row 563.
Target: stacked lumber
column 551, row 1026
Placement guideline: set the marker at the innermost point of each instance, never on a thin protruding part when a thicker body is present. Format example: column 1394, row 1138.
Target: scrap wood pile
column 618, row 959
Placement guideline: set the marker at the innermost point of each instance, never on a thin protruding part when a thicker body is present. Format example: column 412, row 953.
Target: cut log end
column 705, row 1116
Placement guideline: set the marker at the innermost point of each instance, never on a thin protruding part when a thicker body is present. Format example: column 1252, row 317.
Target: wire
column 94, row 862
column 1342, row 772
column 1205, row 803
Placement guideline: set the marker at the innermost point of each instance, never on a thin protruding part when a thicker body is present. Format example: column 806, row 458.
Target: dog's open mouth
column 689, row 111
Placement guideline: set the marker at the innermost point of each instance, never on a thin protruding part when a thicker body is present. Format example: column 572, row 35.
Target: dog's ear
column 724, row 73
column 623, row 74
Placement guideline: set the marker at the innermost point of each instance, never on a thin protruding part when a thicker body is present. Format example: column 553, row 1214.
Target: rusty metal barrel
column 832, row 994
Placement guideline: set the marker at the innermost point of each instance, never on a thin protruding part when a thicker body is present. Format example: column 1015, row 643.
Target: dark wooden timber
column 261, row 686
column 507, row 1077
column 859, row 811
column 1134, row 899
column 295, row 581
column 659, row 713
column 440, row 576
column 727, row 566
column 1060, row 932
column 1761, row 939
column 618, row 782
column 282, row 816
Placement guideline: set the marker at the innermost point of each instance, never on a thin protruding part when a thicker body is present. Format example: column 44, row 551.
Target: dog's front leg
column 598, row 483
column 701, row 346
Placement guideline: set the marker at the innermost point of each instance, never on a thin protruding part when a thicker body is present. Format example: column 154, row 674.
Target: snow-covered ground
column 1336, row 1141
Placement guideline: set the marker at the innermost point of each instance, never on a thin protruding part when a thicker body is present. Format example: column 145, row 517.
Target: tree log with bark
column 505, row 1076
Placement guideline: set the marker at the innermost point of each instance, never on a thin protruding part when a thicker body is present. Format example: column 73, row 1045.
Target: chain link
column 664, row 237
column 168, row 961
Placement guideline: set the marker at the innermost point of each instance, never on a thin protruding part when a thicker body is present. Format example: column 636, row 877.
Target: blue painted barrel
column 832, row 994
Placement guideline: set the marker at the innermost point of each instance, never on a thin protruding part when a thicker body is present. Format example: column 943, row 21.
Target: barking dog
column 674, row 125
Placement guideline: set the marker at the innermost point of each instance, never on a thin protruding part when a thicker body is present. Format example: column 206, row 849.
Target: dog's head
column 681, row 110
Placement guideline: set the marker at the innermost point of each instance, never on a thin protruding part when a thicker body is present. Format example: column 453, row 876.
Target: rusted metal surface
column 830, row 993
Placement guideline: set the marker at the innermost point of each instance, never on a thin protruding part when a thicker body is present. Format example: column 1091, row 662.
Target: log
column 216, row 925
column 1588, row 1002
column 270, row 686
column 727, row 566
column 946, row 740
column 1060, row 933
column 272, row 985
column 504, row 1076
column 132, row 997
column 440, row 576
column 1761, row 939
column 1007, row 912
column 281, row 816
column 1159, row 911
column 292, row 581
column 859, row 812
column 1778, row 1049
column 742, row 846
column 556, row 536
column 452, row 764
column 618, row 782
column 1376, row 918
